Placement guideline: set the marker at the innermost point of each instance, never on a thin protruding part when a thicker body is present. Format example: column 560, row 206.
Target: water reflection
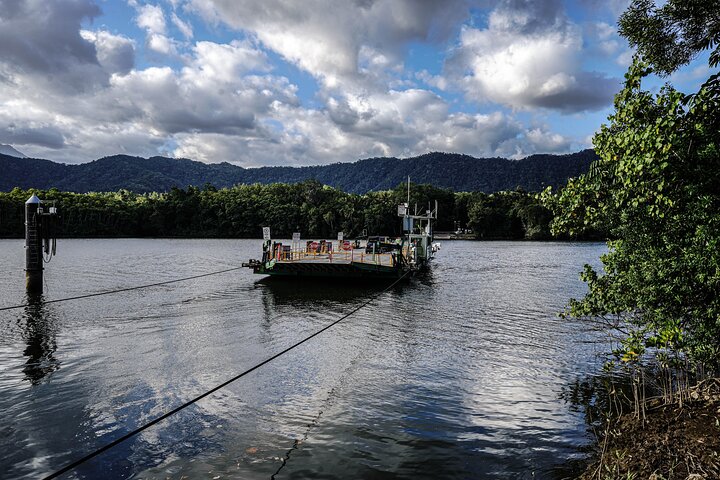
column 454, row 375
column 39, row 334
column 599, row 395
column 284, row 294
column 427, row 277
column 595, row 396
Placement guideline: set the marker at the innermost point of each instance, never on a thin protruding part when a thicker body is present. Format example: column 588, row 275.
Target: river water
column 457, row 374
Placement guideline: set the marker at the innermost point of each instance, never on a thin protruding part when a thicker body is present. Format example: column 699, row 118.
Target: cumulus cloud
column 225, row 62
column 221, row 89
column 535, row 140
column 215, row 92
column 31, row 134
column 43, row 39
column 329, row 39
column 152, row 19
column 399, row 123
column 605, row 42
column 435, row 81
column 226, row 101
column 605, row 36
column 115, row 53
column 529, row 56
column 161, row 44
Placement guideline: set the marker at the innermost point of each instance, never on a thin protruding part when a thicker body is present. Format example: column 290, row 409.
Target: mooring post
column 33, row 246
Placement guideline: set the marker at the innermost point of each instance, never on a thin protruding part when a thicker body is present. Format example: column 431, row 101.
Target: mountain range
column 447, row 170
column 9, row 150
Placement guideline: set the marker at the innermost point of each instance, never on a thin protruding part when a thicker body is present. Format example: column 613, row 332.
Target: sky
column 286, row 82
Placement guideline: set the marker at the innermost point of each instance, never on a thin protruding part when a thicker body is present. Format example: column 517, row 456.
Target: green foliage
column 515, row 215
column 673, row 34
column 655, row 190
column 313, row 209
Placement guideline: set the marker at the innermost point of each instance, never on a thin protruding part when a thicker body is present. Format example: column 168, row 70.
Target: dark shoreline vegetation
column 654, row 189
column 314, row 210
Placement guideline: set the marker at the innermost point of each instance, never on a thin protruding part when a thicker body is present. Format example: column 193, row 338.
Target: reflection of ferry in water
column 371, row 258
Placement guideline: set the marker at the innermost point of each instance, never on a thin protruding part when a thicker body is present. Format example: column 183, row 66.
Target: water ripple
column 457, row 375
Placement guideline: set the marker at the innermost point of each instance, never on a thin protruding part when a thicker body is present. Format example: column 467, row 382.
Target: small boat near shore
column 368, row 258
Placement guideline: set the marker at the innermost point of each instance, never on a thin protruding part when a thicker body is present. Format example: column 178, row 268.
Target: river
column 457, row 374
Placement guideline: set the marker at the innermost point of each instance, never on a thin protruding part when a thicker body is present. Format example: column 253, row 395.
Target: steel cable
column 175, row 410
column 127, row 289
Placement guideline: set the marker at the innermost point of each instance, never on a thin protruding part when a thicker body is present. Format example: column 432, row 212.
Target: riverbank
column 680, row 440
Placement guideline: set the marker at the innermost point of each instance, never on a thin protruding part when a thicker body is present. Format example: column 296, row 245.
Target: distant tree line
column 313, row 209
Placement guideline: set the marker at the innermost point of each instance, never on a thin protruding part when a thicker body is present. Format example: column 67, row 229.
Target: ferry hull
column 354, row 270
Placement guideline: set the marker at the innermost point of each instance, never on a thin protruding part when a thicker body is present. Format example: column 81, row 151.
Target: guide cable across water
column 175, row 410
column 119, row 290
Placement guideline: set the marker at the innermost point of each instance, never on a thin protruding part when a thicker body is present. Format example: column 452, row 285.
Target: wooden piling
column 33, row 246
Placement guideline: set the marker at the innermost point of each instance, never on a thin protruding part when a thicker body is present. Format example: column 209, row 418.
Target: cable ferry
column 368, row 258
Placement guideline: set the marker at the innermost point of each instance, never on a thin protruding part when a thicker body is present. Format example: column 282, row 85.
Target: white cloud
column 210, row 94
column 605, row 41
column 152, row 19
column 605, row 36
column 184, row 27
column 161, row 44
column 435, row 81
column 40, row 43
column 224, row 101
column 217, row 62
column 527, row 57
column 624, row 59
column 140, row 111
column 398, row 123
column 543, row 141
column 333, row 40
column 116, row 53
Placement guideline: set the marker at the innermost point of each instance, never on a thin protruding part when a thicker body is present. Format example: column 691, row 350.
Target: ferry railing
column 339, row 256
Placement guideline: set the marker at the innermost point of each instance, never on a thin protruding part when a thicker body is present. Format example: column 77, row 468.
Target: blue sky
column 282, row 82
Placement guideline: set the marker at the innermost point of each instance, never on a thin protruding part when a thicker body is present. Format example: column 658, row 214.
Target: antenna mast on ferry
column 408, row 202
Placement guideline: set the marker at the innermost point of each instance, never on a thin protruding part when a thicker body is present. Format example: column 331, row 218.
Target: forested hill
column 447, row 170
